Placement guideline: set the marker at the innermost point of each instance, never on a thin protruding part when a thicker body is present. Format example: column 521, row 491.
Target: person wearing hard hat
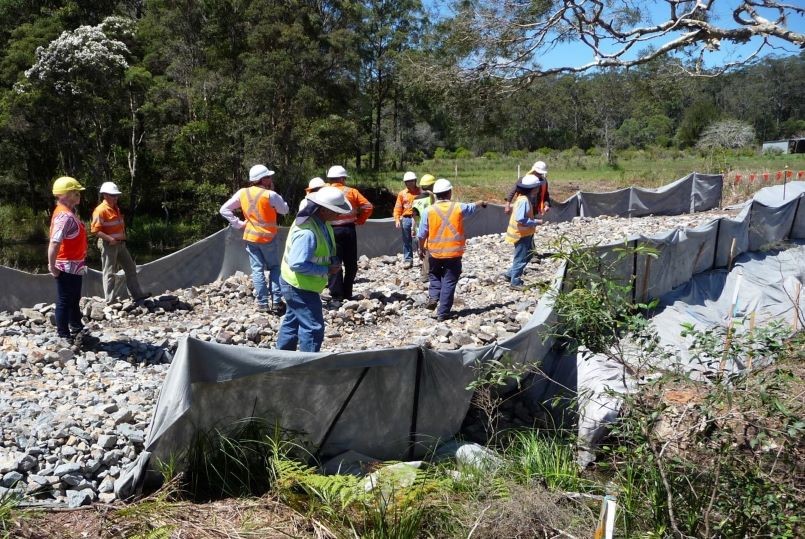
column 540, row 198
column 110, row 228
column 312, row 186
column 308, row 260
column 260, row 205
column 67, row 251
column 421, row 203
column 522, row 226
column 442, row 232
column 346, row 239
column 403, row 216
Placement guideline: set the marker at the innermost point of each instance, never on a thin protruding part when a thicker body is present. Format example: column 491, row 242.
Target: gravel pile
column 73, row 418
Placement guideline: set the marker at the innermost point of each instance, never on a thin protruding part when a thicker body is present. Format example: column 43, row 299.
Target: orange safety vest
column 108, row 220
column 70, row 249
column 445, row 230
column 516, row 231
column 260, row 215
column 361, row 207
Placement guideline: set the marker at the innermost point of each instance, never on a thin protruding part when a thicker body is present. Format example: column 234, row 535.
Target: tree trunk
column 378, row 115
column 137, row 133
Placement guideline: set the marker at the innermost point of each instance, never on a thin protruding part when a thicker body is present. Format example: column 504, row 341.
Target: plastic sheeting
column 694, row 192
column 690, row 279
column 223, row 253
column 386, row 403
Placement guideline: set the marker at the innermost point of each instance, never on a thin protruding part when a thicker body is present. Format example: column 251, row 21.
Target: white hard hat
column 337, row 171
column 409, row 177
column 540, row 167
column 331, row 198
column 315, row 183
column 109, row 188
column 529, row 181
column 258, row 172
column 442, row 186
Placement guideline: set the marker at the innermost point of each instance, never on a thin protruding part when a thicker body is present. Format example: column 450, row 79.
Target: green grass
column 536, row 457
column 574, row 169
column 8, row 506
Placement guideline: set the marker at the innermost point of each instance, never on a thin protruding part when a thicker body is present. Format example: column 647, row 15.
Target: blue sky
column 575, row 53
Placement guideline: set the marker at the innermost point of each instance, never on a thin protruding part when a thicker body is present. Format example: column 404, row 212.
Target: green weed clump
column 233, row 461
column 719, row 456
column 8, row 504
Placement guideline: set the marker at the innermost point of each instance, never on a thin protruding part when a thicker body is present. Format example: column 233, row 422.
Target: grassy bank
column 570, row 170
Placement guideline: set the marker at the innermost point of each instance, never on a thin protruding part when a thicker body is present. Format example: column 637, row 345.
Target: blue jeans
column 262, row 257
column 68, row 311
column 406, row 224
column 523, row 253
column 443, row 275
column 303, row 322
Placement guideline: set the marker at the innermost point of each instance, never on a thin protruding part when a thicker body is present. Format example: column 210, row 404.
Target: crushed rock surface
column 75, row 417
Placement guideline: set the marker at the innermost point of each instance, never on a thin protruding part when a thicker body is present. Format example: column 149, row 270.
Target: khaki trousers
column 113, row 257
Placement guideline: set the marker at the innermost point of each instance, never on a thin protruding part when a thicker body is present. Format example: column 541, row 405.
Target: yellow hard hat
column 65, row 184
column 427, row 180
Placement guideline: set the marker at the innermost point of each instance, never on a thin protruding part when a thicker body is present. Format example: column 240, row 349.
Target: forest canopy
column 174, row 100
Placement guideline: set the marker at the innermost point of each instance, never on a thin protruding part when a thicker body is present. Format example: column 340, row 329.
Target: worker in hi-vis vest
column 421, row 203
column 346, row 239
column 308, row 261
column 67, row 252
column 522, row 226
column 260, row 205
column 441, row 232
column 109, row 227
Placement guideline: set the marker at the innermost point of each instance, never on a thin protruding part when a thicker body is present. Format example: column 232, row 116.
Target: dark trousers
column 443, row 274
column 346, row 248
column 68, row 311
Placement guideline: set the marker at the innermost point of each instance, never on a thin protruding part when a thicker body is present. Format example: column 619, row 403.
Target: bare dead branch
column 509, row 37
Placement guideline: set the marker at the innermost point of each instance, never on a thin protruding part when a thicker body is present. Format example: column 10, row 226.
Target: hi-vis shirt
column 361, row 207
column 404, row 207
column 108, row 220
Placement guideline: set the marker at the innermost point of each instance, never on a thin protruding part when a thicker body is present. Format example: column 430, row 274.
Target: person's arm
column 53, row 250
column 522, row 216
column 227, row 211
column 468, row 209
column 398, row 210
column 303, row 248
column 364, row 208
column 61, row 228
column 278, row 203
column 507, row 208
column 422, row 234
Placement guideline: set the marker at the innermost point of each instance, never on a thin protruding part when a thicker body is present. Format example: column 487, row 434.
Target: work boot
column 432, row 303
column 408, row 264
column 518, row 287
column 83, row 339
column 446, row 316
column 262, row 308
column 142, row 296
column 279, row 308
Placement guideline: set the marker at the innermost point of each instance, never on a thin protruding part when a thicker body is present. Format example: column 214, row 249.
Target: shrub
column 463, row 153
column 442, row 153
